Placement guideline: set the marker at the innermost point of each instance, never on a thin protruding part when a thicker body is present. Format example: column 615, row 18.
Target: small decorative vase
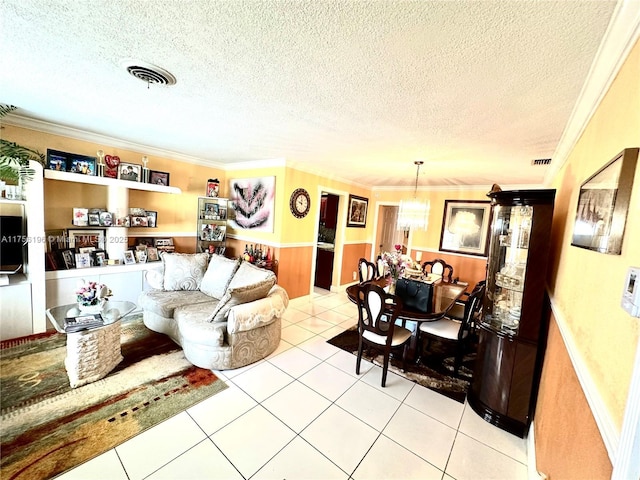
column 92, row 309
column 392, row 286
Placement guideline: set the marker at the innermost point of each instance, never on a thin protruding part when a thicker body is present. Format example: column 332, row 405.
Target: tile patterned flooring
column 303, row 413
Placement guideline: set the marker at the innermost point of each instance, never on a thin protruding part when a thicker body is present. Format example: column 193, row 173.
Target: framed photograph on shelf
column 94, row 219
column 152, row 219
column 68, row 258
column 99, row 258
column 56, row 240
column 141, row 256
column 129, row 257
column 139, row 221
column 159, row 178
column 603, row 205
column 80, row 217
column 86, row 238
column 129, row 171
column 56, row 160
column 357, row 214
column 83, row 165
column 83, row 260
column 152, row 254
column 465, row 227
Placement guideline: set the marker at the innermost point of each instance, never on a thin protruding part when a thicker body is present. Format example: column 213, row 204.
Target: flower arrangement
column 92, row 293
column 395, row 263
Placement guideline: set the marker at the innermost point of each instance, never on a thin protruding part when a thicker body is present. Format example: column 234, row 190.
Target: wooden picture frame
column 86, row 238
column 465, row 227
column 159, row 178
column 603, row 205
column 129, row 171
column 357, row 213
column 152, row 254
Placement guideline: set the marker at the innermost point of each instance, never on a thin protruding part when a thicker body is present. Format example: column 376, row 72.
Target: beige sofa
column 224, row 313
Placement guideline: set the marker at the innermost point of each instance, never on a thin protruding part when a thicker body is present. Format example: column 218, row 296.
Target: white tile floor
column 303, row 413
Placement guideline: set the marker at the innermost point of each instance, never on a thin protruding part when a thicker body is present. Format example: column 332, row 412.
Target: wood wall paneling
column 351, row 253
column 568, row 442
column 468, row 269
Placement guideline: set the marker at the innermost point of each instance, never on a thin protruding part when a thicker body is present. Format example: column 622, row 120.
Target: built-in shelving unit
column 108, row 182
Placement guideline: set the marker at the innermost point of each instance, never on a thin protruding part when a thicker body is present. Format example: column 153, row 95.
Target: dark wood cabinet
column 513, row 327
column 329, row 210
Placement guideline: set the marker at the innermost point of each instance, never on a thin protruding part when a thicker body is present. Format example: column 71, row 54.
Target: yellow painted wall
column 430, row 239
column 586, row 286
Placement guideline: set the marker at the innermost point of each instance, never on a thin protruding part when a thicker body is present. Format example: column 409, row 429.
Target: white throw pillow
column 218, row 275
column 184, row 271
column 248, row 284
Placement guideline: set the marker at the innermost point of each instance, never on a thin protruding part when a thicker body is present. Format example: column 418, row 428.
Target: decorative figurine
column 145, row 169
column 100, row 167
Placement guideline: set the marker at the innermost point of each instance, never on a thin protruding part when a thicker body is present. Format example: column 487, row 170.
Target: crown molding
column 621, row 35
column 457, row 188
column 75, row 133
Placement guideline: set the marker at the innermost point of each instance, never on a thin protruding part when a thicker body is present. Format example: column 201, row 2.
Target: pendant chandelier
column 413, row 214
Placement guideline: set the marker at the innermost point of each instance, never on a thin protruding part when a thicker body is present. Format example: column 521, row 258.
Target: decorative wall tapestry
column 253, row 201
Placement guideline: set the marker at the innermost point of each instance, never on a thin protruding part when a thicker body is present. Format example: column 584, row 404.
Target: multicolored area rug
column 435, row 370
column 47, row 427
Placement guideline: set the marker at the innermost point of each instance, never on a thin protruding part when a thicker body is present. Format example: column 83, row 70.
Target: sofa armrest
column 249, row 316
column 155, row 278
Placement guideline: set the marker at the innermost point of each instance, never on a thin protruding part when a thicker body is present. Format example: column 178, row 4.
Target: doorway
column 325, row 248
column 388, row 235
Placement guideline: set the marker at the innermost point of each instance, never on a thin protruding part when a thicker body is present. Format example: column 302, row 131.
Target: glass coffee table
column 93, row 353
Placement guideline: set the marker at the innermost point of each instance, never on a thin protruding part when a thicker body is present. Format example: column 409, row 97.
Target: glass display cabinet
column 212, row 225
column 513, row 326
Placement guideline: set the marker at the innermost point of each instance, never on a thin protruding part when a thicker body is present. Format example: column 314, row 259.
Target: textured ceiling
column 357, row 89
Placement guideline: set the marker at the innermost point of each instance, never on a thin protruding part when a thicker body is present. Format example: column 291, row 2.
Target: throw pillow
column 218, row 275
column 248, row 284
column 184, row 271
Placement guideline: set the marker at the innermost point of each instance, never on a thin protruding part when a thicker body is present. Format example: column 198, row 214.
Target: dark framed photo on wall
column 465, row 227
column 357, row 213
column 603, row 205
column 159, row 178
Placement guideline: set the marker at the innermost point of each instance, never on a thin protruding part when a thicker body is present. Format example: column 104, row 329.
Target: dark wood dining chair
column 377, row 315
column 366, row 270
column 457, row 311
column 380, row 266
column 452, row 330
column 438, row 267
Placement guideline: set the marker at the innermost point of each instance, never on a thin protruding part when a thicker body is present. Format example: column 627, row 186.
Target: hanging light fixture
column 414, row 214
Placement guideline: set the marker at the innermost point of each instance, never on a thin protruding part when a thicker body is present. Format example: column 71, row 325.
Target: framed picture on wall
column 603, row 205
column 357, row 213
column 465, row 227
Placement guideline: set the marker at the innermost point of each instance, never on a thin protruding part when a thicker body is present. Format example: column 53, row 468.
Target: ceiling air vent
column 541, row 161
column 150, row 73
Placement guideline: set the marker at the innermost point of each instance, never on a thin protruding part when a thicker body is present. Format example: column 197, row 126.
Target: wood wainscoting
column 351, row 253
column 466, row 268
column 568, row 441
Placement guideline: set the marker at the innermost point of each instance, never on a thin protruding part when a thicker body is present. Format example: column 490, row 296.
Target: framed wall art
column 253, row 202
column 603, row 205
column 357, row 213
column 465, row 227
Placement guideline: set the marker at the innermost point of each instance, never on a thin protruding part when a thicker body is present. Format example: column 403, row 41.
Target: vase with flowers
column 92, row 296
column 395, row 263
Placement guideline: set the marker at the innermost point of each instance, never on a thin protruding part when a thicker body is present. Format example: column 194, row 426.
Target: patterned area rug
column 435, row 370
column 47, row 427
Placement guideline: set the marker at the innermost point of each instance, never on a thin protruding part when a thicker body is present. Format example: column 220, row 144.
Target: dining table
column 444, row 296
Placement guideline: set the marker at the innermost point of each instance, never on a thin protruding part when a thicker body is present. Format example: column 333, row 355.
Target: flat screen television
column 12, row 244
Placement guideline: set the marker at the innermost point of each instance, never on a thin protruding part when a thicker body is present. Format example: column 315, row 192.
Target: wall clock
column 300, row 203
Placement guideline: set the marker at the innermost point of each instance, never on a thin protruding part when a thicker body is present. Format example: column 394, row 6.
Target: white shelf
column 108, row 182
column 80, row 272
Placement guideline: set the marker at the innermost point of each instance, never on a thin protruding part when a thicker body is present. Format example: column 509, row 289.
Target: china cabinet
column 513, row 326
column 212, row 224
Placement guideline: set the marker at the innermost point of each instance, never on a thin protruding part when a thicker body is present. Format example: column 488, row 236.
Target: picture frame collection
column 85, row 248
column 108, row 166
column 100, row 217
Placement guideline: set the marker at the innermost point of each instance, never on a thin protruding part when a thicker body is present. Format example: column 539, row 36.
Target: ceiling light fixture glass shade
column 413, row 214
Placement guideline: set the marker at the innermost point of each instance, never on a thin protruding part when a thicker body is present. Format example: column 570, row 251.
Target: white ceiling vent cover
column 149, row 73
